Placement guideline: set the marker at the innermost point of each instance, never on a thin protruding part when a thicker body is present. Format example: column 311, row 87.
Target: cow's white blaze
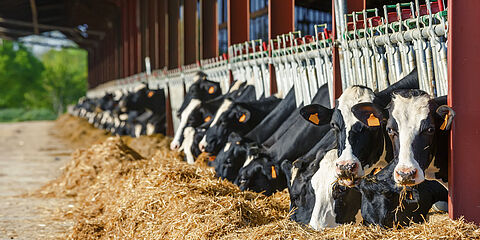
column 194, row 103
column 223, row 108
column 227, row 146
column 409, row 113
column 150, row 129
column 294, row 172
column 350, row 97
column 138, row 130
column 139, row 87
column 248, row 161
column 323, row 214
column 235, row 86
column 189, row 133
column 123, row 117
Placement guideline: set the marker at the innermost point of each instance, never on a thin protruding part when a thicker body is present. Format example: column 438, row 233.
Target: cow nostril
column 406, row 174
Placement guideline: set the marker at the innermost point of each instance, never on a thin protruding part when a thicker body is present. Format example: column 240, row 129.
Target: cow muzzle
column 405, row 176
column 347, row 172
column 174, row 145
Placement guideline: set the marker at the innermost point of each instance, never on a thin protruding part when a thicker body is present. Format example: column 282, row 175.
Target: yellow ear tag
column 373, row 121
column 211, row 90
column 444, row 124
column 150, row 94
column 207, row 118
column 274, row 173
column 242, row 118
column 314, row 118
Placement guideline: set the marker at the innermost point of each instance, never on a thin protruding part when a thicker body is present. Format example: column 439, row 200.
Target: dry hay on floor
column 78, row 132
column 120, row 194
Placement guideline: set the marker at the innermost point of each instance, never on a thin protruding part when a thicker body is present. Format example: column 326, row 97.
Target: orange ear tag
column 373, row 121
column 444, row 124
column 207, row 118
column 274, row 173
column 376, row 170
column 150, row 94
column 211, row 90
column 212, row 158
column 314, row 118
column 242, row 118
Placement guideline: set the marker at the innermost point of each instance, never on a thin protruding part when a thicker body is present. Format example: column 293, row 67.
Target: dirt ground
column 30, row 156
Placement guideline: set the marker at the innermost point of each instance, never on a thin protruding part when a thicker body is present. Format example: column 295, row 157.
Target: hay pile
column 120, row 194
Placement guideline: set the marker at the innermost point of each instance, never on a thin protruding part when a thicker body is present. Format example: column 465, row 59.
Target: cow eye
column 335, row 127
column 430, row 130
column 390, row 131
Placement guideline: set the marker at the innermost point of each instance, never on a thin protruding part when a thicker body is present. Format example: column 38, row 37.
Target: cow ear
column 316, row 114
column 243, row 116
column 368, row 113
column 447, row 114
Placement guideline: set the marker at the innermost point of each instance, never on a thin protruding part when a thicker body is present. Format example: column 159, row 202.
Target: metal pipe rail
column 377, row 52
column 217, row 70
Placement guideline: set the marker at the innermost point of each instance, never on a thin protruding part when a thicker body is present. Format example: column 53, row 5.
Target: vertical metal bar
column 463, row 62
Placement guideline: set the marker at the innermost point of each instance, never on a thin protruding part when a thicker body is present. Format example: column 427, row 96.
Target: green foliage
column 33, row 88
column 20, row 114
column 20, row 73
column 65, row 77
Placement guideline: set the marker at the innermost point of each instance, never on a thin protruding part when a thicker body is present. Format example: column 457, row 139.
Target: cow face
column 260, row 175
column 414, row 126
column 235, row 117
column 200, row 91
column 231, row 158
column 359, row 145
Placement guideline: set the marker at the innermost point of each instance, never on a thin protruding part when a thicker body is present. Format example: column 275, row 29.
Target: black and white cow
column 261, row 175
column 418, row 128
column 201, row 90
column 239, row 117
column 231, row 158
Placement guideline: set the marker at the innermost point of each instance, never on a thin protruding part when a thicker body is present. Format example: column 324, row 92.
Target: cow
column 231, row 158
column 261, row 175
column 201, row 90
column 418, row 128
column 235, row 116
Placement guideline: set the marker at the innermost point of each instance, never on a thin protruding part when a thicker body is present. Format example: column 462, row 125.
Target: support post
column 238, row 21
column 281, row 18
column 190, row 39
column 173, row 21
column 209, row 31
column 463, row 62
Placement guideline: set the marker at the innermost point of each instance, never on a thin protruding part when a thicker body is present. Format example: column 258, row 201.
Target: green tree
column 65, row 77
column 20, row 75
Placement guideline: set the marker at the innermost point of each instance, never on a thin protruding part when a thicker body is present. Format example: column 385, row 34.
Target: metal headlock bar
column 217, row 70
column 378, row 51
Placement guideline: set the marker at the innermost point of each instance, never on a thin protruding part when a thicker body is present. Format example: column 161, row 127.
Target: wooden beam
column 238, row 12
column 190, row 40
column 209, row 33
column 173, row 38
column 33, row 6
column 463, row 85
column 162, row 34
column 49, row 27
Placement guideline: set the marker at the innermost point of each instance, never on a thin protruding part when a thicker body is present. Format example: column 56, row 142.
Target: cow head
column 229, row 117
column 231, row 158
column 200, row 91
column 261, row 175
column 359, row 144
column 414, row 126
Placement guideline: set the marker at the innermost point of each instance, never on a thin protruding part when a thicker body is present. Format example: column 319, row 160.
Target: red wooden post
column 162, row 35
column 463, row 63
column 169, row 130
column 209, row 43
column 173, row 21
column 190, row 40
column 238, row 22
column 281, row 18
column 138, row 37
